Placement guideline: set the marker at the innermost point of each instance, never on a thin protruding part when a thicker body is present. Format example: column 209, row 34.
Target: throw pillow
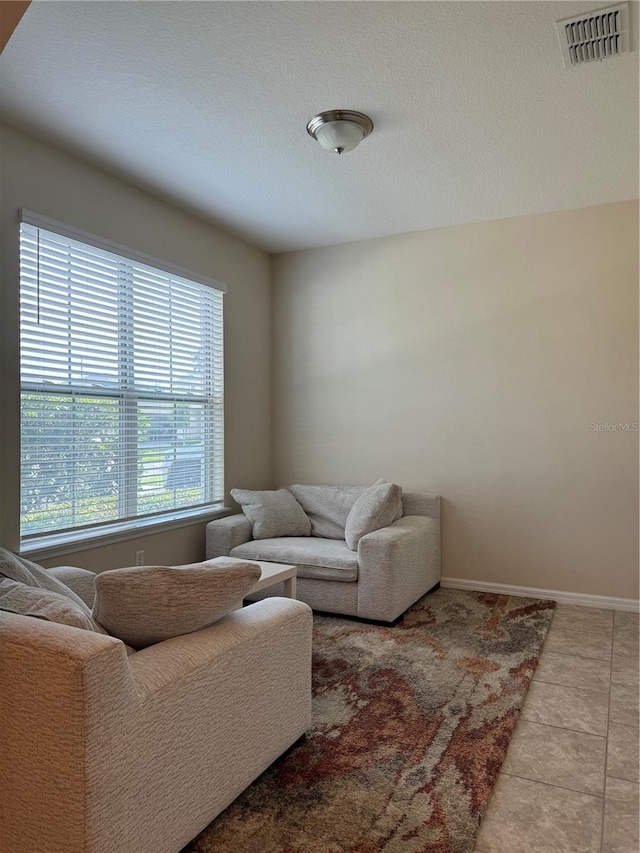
column 374, row 509
column 273, row 513
column 143, row 605
column 26, row 600
column 32, row 575
column 399, row 508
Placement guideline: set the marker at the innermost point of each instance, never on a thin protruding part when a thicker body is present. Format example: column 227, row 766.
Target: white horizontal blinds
column 122, row 386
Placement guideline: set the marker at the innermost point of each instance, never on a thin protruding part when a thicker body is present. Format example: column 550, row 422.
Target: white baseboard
column 606, row 602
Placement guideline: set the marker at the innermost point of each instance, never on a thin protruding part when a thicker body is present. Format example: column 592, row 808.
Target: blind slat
column 122, row 378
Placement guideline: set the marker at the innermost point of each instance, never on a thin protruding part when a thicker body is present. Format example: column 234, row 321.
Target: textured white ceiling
column 205, row 104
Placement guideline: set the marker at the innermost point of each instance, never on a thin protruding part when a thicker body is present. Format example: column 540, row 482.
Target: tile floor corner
column 569, row 782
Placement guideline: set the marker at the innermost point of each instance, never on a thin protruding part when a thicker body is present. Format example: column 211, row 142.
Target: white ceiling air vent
column 594, row 36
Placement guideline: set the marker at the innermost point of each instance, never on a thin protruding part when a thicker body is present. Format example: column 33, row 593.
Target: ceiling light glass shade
column 339, row 130
column 339, row 136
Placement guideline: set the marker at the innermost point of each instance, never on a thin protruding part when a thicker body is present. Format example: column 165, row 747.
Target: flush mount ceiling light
column 339, row 130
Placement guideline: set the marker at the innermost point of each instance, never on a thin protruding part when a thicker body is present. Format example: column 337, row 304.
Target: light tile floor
column 569, row 783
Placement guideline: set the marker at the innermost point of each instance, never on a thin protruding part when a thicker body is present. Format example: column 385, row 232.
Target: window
column 121, row 384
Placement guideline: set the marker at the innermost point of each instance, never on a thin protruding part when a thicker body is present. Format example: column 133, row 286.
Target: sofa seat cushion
column 322, row 559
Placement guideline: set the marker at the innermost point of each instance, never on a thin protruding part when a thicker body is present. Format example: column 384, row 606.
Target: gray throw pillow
column 143, row 605
column 399, row 508
column 273, row 513
column 32, row 575
column 374, row 509
column 26, row 600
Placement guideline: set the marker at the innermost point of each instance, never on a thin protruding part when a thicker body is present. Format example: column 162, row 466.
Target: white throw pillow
column 399, row 508
column 24, row 600
column 143, row 605
column 273, row 513
column 32, row 576
column 374, row 509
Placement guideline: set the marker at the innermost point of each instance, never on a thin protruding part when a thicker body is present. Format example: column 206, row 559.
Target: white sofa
column 392, row 567
column 104, row 753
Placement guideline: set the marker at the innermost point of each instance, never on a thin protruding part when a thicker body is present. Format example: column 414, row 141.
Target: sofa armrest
column 421, row 503
column 225, row 534
column 181, row 658
column 94, row 666
column 81, row 581
column 217, row 708
column 58, row 684
column 397, row 565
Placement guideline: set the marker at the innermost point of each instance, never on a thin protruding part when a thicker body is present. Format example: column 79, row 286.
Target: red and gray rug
column 410, row 727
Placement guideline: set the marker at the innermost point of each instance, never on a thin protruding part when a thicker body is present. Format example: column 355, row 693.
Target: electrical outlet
column 139, row 558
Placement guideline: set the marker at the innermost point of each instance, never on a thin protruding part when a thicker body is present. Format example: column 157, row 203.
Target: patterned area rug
column 410, row 727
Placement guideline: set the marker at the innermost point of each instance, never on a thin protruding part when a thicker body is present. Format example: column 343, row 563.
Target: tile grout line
column 570, row 635
column 565, row 660
column 562, row 728
column 605, row 738
column 622, row 779
column 550, row 785
column 582, row 657
column 565, row 728
column 570, row 627
column 569, row 655
column 606, row 754
column 571, row 686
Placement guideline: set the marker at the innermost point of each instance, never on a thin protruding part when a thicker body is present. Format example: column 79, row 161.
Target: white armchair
column 392, row 568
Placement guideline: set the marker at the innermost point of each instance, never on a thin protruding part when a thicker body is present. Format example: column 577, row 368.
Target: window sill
column 45, row 547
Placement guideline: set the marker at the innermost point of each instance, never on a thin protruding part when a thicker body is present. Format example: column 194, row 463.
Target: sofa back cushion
column 273, row 513
column 377, row 507
column 143, row 605
column 327, row 507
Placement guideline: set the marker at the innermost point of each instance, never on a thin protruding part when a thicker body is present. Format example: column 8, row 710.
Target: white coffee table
column 271, row 574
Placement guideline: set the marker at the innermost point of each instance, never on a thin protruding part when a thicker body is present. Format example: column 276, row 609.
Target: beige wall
column 46, row 180
column 471, row 361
